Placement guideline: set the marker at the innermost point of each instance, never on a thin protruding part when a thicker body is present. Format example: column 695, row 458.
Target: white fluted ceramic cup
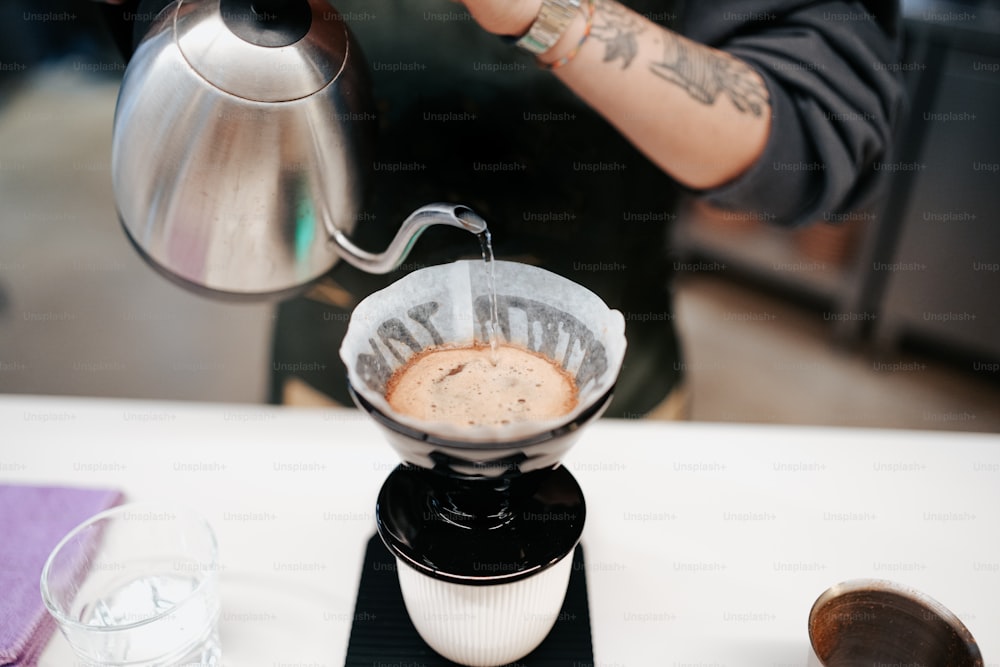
column 485, row 626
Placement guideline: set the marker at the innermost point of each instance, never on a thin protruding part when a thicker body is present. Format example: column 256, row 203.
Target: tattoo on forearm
column 702, row 72
column 618, row 28
column 705, row 74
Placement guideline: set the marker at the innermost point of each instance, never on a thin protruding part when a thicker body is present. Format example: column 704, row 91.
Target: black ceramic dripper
column 482, row 519
column 493, row 520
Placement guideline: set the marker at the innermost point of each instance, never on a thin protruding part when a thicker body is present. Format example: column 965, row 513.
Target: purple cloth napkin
column 32, row 521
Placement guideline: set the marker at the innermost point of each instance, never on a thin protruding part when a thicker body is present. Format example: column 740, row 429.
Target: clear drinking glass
column 137, row 585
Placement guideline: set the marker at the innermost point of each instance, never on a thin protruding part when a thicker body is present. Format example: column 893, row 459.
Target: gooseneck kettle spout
column 242, row 139
column 414, row 225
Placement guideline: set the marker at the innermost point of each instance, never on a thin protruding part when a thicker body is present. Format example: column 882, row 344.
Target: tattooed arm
column 702, row 115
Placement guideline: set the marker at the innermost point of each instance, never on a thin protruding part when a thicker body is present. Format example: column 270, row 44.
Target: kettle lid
column 263, row 50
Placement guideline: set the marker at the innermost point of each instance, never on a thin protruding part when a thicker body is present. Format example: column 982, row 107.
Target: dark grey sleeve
column 835, row 97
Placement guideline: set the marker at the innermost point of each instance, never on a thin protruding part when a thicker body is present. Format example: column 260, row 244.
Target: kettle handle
column 455, row 215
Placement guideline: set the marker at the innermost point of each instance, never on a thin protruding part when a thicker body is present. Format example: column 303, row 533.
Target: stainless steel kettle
column 242, row 136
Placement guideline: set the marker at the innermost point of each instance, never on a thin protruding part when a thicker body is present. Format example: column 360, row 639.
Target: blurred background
column 890, row 318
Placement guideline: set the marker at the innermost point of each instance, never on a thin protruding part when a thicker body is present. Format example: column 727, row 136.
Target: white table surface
column 706, row 544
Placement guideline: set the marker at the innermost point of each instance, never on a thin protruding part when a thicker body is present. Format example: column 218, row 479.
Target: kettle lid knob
column 270, row 23
column 264, row 50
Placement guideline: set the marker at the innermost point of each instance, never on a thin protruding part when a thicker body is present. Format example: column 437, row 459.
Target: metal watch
column 553, row 20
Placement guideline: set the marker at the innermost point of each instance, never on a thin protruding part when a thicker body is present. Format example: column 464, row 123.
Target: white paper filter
column 449, row 305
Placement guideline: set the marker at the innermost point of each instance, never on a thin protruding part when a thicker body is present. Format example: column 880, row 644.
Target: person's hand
column 504, row 17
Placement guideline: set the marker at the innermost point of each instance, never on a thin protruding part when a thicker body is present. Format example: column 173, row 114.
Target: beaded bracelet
column 576, row 49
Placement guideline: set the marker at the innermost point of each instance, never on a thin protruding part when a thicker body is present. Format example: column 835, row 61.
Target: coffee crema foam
column 462, row 386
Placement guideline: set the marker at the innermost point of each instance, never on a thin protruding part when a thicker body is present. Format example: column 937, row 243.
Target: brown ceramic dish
column 866, row 622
